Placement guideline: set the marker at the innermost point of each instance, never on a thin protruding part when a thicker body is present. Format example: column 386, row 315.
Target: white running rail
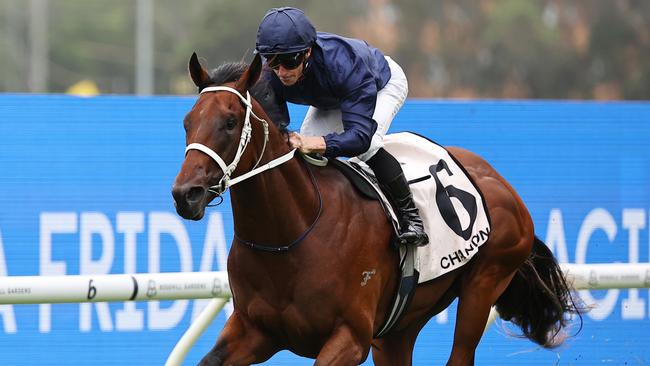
column 126, row 287
column 113, row 287
column 214, row 285
column 608, row 275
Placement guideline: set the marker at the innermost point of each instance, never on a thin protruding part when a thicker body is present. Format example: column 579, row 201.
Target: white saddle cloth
column 451, row 206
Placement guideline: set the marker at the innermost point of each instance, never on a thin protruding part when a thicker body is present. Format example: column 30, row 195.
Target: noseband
column 225, row 182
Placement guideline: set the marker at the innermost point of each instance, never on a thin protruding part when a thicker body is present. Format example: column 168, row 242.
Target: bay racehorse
column 312, row 268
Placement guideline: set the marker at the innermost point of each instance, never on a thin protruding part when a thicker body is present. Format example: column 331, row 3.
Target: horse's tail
column 539, row 300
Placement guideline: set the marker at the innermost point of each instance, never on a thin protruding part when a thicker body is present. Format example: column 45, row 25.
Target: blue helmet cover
column 284, row 30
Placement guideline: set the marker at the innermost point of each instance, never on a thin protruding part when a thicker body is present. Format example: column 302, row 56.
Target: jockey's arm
column 357, row 108
column 358, row 127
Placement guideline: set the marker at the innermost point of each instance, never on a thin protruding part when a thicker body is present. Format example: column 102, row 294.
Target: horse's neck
column 276, row 206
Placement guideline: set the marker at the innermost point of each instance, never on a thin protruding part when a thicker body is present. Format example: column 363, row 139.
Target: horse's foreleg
column 342, row 348
column 239, row 344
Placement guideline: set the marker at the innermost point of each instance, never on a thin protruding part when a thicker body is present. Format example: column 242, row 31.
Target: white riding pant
column 389, row 101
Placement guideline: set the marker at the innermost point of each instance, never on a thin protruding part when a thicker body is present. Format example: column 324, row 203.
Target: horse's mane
column 231, row 71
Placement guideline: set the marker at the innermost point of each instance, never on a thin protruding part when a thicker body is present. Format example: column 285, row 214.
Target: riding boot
column 391, row 178
column 412, row 229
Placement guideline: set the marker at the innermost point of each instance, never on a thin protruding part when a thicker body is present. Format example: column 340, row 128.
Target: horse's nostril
column 195, row 194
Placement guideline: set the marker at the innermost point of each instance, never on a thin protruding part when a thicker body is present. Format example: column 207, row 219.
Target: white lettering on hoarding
column 214, row 247
column 52, row 223
column 94, row 224
column 98, row 238
column 599, row 219
column 130, row 224
column 166, row 223
column 633, row 220
column 555, row 238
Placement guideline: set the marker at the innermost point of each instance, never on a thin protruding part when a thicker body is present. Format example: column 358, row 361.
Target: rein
column 225, row 182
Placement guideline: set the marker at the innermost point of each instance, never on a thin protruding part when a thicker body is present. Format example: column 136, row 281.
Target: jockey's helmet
column 284, row 30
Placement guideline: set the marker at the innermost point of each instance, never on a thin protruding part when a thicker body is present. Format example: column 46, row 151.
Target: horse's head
column 217, row 130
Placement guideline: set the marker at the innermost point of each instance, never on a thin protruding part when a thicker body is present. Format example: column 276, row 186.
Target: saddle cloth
column 451, row 206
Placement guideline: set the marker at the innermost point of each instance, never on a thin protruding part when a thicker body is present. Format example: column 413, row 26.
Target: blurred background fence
column 580, row 49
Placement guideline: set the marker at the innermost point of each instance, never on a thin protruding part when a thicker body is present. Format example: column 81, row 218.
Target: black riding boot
column 409, row 216
column 391, row 177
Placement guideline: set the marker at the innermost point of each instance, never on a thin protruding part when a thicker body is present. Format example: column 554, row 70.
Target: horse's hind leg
column 474, row 305
column 480, row 288
column 396, row 348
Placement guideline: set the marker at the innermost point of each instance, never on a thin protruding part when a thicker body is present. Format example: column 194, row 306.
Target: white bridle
column 225, row 182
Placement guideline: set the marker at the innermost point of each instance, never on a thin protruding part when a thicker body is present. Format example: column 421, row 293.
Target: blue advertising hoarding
column 85, row 188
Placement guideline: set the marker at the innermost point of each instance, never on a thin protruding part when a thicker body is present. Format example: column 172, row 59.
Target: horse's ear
column 250, row 76
column 198, row 73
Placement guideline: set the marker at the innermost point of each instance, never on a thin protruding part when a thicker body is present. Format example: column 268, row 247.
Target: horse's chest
column 299, row 325
column 300, row 315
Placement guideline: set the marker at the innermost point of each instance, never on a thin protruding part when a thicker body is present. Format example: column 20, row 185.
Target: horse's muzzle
column 189, row 201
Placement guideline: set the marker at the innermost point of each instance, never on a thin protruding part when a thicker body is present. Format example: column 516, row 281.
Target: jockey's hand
column 307, row 144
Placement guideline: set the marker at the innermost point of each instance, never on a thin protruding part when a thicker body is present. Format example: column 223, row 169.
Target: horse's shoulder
column 336, row 179
column 334, row 176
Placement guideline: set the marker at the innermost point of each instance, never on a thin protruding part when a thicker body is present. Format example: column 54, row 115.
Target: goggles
column 287, row 60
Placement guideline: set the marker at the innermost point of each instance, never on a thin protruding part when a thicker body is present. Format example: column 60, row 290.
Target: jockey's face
column 287, row 75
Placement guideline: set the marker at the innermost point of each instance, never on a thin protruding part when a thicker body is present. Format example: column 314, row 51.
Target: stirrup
column 412, row 237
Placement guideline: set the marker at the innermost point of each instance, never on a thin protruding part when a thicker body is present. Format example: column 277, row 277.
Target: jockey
column 353, row 91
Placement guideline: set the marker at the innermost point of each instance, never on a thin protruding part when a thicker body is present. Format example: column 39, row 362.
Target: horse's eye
column 231, row 123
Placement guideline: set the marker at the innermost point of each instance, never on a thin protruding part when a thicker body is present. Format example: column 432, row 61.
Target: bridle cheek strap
column 225, row 182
